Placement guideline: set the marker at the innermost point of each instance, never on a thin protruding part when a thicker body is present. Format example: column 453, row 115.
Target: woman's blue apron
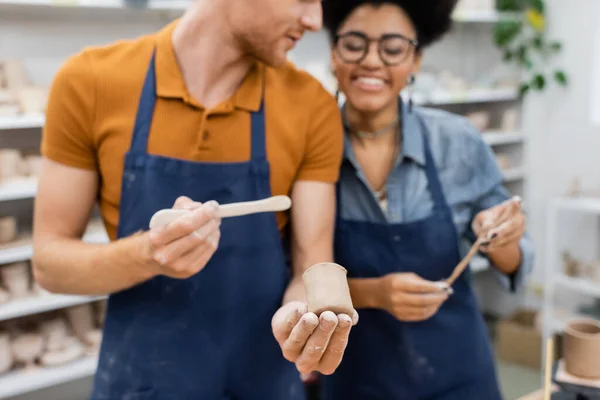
column 447, row 357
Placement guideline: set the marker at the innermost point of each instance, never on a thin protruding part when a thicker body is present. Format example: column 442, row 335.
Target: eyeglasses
column 353, row 47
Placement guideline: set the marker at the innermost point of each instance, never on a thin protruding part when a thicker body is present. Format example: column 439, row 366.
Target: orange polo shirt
column 94, row 98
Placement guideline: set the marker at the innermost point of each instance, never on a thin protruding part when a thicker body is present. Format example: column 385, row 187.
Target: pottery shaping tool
column 483, row 240
column 270, row 204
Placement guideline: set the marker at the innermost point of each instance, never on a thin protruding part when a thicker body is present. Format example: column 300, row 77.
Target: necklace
column 372, row 135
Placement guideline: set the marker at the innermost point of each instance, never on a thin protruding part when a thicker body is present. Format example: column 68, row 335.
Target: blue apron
column 446, row 357
column 208, row 337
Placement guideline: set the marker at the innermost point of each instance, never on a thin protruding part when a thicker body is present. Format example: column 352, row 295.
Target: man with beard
column 201, row 113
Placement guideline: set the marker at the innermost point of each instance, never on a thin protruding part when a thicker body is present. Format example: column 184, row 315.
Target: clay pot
column 480, row 119
column 582, row 348
column 8, row 229
column 16, row 278
column 71, row 350
column 10, row 164
column 4, row 296
column 327, row 289
column 6, row 357
column 27, row 347
column 55, row 331
column 81, row 319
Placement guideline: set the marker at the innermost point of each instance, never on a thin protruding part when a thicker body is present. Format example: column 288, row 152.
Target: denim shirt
column 470, row 178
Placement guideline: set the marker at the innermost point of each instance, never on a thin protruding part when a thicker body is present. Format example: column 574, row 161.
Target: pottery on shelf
column 27, row 347
column 4, row 296
column 55, row 332
column 582, row 348
column 100, row 309
column 6, row 357
column 510, row 120
column 16, row 278
column 8, row 229
column 326, row 287
column 81, row 318
column 480, row 119
column 71, row 350
column 10, row 164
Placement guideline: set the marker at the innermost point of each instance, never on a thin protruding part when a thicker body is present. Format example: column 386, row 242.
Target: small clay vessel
column 81, row 319
column 582, row 348
column 27, row 347
column 8, row 229
column 327, row 289
column 6, row 357
column 16, row 278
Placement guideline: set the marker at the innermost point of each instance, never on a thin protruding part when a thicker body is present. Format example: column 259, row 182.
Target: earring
column 411, row 81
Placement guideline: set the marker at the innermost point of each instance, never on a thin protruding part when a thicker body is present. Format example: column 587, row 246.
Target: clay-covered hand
column 312, row 343
column 184, row 247
column 504, row 225
column 411, row 298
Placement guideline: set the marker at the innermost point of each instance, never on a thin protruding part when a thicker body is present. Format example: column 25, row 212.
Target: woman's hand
column 409, row 297
column 504, row 225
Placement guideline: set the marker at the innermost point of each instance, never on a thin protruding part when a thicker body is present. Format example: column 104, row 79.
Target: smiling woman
column 414, row 182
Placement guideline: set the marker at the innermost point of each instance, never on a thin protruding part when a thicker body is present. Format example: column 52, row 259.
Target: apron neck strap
column 433, row 180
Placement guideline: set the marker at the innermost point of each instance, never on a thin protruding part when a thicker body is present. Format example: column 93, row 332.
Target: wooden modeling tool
column 271, row 204
column 483, row 240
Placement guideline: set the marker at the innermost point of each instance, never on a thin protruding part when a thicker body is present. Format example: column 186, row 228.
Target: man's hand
column 312, row 343
column 183, row 248
column 503, row 224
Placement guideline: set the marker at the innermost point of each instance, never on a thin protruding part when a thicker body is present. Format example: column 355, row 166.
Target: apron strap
column 257, row 133
column 143, row 120
column 433, row 180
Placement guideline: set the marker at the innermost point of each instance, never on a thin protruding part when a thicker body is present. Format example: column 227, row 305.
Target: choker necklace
column 372, row 135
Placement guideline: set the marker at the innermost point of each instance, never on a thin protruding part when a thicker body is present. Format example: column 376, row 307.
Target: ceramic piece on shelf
column 81, row 319
column 582, row 348
column 27, row 348
column 94, row 338
column 503, row 161
column 34, row 165
column 593, row 271
column 510, row 120
column 71, row 351
column 327, row 289
column 480, row 119
column 13, row 74
column 10, row 164
column 4, row 296
column 16, row 278
column 8, row 229
column 55, row 331
column 571, row 266
column 100, row 309
column 32, row 99
column 6, row 356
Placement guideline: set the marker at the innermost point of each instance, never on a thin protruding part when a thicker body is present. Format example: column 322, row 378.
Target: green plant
column 523, row 41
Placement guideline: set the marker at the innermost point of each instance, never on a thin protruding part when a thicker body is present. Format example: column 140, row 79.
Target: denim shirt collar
column 412, row 138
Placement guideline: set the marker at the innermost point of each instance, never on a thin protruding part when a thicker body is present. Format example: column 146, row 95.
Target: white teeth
column 371, row 81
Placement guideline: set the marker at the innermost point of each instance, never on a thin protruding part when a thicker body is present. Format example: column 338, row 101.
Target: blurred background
column 527, row 73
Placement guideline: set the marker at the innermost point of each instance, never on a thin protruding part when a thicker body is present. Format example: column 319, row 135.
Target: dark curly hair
column 431, row 18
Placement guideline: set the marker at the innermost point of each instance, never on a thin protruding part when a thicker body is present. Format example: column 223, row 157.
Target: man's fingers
column 185, row 203
column 178, row 248
column 317, row 343
column 337, row 345
column 196, row 259
column 295, row 343
column 184, row 225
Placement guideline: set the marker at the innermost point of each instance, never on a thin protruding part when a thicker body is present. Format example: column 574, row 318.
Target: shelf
column 41, row 303
column 24, row 251
column 581, row 204
column 484, row 95
column 497, row 138
column 21, row 121
column 18, row 189
column 20, row 382
column 580, row 285
column 486, row 16
column 513, row 174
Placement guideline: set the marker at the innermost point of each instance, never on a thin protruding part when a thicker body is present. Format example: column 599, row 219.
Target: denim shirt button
column 397, row 238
